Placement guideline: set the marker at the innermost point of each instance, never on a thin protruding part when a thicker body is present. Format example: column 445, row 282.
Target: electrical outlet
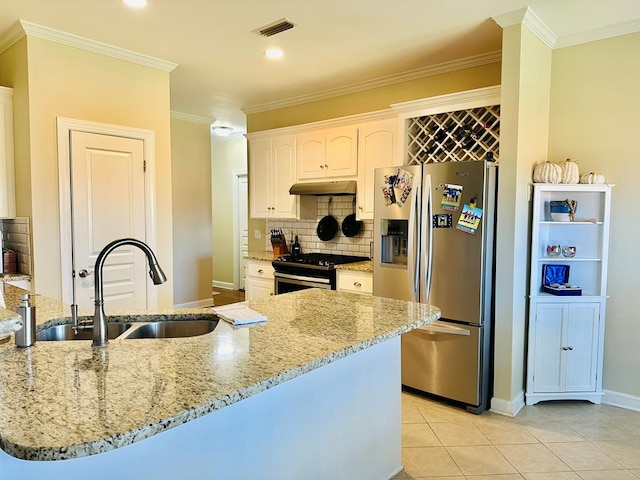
column 257, row 234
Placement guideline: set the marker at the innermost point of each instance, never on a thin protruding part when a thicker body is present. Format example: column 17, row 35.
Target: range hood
column 345, row 187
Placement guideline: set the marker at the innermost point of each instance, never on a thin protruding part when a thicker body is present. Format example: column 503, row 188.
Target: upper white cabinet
column 377, row 147
column 7, row 179
column 272, row 171
column 566, row 329
column 327, row 153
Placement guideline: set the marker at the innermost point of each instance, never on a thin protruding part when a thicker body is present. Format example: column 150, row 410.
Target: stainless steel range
column 308, row 270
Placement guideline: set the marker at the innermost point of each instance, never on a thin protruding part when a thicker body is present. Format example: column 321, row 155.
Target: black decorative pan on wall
column 350, row 226
column 327, row 226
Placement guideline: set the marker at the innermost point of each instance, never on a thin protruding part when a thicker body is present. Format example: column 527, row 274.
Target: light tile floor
column 569, row 440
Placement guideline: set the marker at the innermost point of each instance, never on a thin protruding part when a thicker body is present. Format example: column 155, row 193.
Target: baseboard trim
column 224, row 285
column 509, row 408
column 622, row 400
column 207, row 302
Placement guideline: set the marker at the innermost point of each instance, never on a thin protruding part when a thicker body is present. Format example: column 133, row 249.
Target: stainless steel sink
column 172, row 329
column 65, row 332
column 135, row 330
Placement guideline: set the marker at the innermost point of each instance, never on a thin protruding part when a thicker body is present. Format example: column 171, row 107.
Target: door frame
column 64, row 128
column 236, row 225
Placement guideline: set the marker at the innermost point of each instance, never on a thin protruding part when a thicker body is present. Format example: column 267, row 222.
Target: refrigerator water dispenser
column 394, row 241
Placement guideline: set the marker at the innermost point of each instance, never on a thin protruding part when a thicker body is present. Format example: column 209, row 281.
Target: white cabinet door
column 257, row 288
column 377, row 147
column 582, row 347
column 7, row 179
column 310, row 155
column 283, row 175
column 547, row 343
column 341, row 152
column 272, row 170
column 259, row 179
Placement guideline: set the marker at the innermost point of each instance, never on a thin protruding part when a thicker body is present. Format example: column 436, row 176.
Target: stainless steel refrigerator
column 434, row 243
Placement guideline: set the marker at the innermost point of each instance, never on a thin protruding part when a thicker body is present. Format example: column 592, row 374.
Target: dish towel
column 239, row 314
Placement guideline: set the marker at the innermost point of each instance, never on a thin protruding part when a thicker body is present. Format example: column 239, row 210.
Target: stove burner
column 328, row 260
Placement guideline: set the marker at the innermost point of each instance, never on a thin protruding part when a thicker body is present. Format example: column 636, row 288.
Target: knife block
column 279, row 246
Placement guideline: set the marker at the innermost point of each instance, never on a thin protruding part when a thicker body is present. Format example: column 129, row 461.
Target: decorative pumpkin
column 595, row 178
column 547, row 172
column 570, row 172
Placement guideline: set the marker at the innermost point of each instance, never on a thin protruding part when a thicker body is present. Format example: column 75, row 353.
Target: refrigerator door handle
column 445, row 329
column 427, row 238
column 414, row 268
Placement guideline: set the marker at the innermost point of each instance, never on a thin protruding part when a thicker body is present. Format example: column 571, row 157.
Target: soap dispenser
column 27, row 335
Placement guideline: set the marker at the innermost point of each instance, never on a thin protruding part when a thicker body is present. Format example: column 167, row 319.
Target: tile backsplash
column 341, row 206
column 17, row 237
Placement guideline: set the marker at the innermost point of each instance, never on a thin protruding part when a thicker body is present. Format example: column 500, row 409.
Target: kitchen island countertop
column 61, row 400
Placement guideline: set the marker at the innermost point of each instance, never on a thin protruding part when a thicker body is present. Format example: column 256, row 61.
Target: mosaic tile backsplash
column 341, row 206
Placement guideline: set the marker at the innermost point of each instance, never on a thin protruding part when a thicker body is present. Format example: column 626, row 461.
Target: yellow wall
column 191, row 184
column 594, row 120
column 376, row 99
column 69, row 82
column 227, row 155
column 524, row 120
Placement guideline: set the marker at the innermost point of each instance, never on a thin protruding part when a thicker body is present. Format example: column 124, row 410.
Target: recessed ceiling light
column 135, row 3
column 274, row 53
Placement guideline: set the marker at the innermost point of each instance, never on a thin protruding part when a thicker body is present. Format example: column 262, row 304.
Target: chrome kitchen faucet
column 99, row 318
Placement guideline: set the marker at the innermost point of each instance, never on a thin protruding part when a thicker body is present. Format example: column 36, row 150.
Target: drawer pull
column 567, row 348
column 260, row 271
column 357, row 284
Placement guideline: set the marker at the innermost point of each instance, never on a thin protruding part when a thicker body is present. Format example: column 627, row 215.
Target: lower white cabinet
column 353, row 281
column 259, row 280
column 565, row 351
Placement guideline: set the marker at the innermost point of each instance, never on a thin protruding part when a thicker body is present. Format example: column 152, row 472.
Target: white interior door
column 243, row 228
column 108, row 203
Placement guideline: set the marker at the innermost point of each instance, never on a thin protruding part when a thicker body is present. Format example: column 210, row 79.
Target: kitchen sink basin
column 172, row 329
column 134, row 330
column 65, row 332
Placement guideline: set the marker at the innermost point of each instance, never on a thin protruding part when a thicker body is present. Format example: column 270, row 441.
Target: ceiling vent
column 274, row 28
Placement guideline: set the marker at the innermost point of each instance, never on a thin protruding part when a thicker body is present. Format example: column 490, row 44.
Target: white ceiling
column 221, row 69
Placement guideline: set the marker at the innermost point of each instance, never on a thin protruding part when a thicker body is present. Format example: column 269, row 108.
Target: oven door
column 290, row 282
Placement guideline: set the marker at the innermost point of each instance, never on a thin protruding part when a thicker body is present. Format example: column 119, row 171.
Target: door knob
column 83, row 273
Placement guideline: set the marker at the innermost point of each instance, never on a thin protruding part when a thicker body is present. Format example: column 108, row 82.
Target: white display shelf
column 566, row 332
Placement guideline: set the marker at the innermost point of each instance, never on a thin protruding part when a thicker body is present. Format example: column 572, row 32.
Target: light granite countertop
column 267, row 256
column 8, row 277
column 61, row 400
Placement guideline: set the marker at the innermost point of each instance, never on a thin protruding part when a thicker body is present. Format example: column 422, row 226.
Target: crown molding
column 432, row 70
column 191, row 118
column 11, row 36
column 527, row 17
column 632, row 26
column 479, row 97
column 46, row 33
column 350, row 120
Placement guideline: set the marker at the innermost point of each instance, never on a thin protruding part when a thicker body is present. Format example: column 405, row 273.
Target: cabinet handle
column 360, row 208
column 567, row 348
column 326, row 166
column 357, row 284
column 260, row 271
